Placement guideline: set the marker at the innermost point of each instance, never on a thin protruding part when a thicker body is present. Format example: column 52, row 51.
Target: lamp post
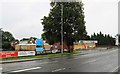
column 61, row 22
column 61, row 27
column 1, row 38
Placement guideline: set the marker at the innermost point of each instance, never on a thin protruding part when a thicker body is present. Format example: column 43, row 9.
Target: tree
column 29, row 40
column 43, row 36
column 119, row 38
column 93, row 37
column 25, row 39
column 7, row 38
column 73, row 23
column 103, row 39
column 1, row 37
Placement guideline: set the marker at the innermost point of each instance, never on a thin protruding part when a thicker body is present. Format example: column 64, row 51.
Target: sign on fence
column 26, row 53
column 8, row 54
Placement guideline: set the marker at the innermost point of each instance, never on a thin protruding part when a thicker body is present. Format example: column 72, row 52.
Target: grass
column 38, row 56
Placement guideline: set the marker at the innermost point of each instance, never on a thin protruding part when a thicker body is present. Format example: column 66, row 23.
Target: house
column 13, row 44
column 85, row 44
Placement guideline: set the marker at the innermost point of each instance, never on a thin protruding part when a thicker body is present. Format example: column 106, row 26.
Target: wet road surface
column 93, row 61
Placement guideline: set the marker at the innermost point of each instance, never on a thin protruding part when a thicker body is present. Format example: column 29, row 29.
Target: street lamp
column 61, row 22
column 61, row 27
column 1, row 32
column 1, row 38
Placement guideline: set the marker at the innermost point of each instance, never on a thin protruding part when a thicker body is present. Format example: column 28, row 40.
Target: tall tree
column 103, row 39
column 119, row 38
column 7, row 38
column 73, row 23
column 29, row 39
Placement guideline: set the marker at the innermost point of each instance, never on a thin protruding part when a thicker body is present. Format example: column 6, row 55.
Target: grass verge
column 38, row 56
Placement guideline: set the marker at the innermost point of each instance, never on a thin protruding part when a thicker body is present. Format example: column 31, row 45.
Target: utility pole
column 61, row 27
column 60, row 1
column 0, row 39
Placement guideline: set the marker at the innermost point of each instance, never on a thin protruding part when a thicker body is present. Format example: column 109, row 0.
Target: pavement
column 87, row 61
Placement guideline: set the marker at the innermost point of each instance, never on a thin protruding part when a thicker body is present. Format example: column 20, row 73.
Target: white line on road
column 75, row 54
column 116, row 69
column 49, row 62
column 58, row 70
column 27, row 69
column 78, row 58
column 90, row 61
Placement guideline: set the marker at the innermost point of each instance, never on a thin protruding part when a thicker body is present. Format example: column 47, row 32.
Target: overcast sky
column 22, row 17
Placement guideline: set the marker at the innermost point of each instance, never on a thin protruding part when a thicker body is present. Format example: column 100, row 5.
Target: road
column 93, row 61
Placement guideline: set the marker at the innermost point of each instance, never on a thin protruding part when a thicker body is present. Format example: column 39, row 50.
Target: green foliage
column 43, row 36
column 103, row 39
column 1, row 38
column 73, row 22
column 32, row 38
column 24, row 39
column 7, row 38
column 119, row 38
column 28, row 39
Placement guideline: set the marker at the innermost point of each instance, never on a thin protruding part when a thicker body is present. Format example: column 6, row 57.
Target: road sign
column 39, row 45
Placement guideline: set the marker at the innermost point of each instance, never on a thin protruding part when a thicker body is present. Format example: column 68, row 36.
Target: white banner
column 26, row 53
column 88, row 41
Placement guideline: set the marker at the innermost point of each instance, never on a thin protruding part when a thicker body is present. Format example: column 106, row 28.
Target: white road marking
column 90, row 61
column 49, row 62
column 115, row 69
column 77, row 57
column 54, row 62
column 75, row 54
column 58, row 70
column 27, row 69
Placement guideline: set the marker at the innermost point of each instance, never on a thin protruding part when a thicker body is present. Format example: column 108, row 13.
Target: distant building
column 26, row 45
column 46, row 45
column 31, row 41
column 117, row 39
column 85, row 44
column 13, row 44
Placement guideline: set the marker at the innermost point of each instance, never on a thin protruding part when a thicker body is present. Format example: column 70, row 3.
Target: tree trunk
column 70, row 48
